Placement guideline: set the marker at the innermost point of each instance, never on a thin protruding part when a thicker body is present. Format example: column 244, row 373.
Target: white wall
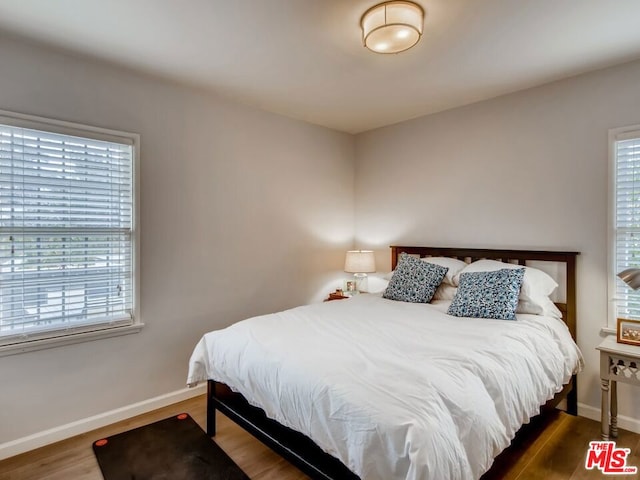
column 526, row 170
column 233, row 201
column 242, row 212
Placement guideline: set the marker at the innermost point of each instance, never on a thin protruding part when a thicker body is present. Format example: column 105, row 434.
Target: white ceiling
column 304, row 58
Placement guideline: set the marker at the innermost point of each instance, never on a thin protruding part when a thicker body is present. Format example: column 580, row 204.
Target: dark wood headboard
column 520, row 257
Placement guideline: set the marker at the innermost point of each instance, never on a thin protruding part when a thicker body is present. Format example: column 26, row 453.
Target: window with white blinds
column 66, row 231
column 625, row 228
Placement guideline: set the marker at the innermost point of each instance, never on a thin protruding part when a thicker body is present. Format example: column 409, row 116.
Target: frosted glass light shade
column 392, row 27
column 360, row 261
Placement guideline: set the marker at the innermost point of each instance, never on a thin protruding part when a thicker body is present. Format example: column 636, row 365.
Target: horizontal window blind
column 626, row 220
column 66, row 212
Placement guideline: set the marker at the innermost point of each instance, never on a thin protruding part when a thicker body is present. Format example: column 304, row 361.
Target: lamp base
column 361, row 282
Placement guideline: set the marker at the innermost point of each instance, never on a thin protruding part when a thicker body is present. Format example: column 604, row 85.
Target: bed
column 319, row 378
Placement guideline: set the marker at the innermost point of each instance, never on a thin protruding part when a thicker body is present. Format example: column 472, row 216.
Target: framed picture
column 350, row 287
column 628, row 331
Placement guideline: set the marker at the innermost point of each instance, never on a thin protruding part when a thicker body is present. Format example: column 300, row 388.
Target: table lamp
column 359, row 262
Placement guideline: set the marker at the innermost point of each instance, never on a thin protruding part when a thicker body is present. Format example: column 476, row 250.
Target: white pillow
column 445, row 292
column 534, row 292
column 454, row 265
column 542, row 306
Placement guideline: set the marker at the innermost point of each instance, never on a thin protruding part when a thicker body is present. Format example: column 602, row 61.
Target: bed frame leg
column 572, row 398
column 211, row 408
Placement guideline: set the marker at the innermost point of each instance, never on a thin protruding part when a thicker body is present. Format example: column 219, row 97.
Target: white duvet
column 394, row 390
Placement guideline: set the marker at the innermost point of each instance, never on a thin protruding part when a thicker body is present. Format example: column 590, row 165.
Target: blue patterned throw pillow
column 414, row 280
column 488, row 294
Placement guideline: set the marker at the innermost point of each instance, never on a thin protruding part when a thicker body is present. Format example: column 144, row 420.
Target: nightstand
column 618, row 363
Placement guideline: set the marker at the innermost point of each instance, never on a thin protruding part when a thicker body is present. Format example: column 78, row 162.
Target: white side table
column 618, row 363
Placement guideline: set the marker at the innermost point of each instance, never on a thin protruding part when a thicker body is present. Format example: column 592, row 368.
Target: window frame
column 84, row 333
column 615, row 135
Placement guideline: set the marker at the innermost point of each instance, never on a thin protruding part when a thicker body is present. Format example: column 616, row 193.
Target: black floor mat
column 175, row 448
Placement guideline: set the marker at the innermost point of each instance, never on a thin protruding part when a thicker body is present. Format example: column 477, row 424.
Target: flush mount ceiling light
column 392, row 27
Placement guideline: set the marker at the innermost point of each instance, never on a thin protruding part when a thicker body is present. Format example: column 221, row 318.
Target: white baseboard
column 626, row 423
column 46, row 437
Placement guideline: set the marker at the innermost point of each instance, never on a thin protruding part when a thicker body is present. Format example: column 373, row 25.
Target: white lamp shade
column 360, row 261
column 392, row 27
column 631, row 276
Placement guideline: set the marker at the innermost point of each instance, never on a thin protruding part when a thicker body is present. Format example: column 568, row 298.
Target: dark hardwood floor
column 552, row 447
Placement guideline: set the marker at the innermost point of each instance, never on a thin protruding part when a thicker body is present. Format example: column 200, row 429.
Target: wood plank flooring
column 551, row 448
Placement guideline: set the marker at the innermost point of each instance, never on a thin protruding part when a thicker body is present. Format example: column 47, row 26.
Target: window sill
column 608, row 331
column 44, row 343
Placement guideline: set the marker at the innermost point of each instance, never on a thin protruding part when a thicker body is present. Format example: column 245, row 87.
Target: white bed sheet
column 396, row 391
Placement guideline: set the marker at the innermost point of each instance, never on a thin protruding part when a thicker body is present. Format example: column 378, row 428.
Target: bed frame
column 302, row 451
